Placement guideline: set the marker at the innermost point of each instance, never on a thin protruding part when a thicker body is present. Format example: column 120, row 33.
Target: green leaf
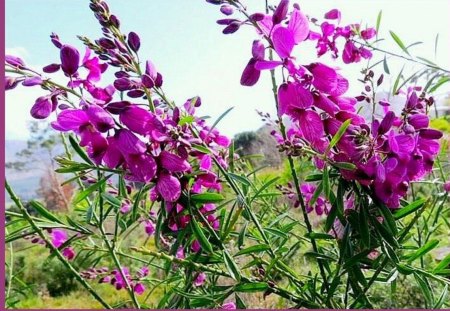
column 436, row 41
column 429, row 62
column 44, row 212
column 364, row 226
column 202, row 239
column 242, row 179
column 112, row 200
column 253, row 249
column 80, row 196
column 316, row 194
column 200, row 302
column 320, row 256
column 425, row 287
column 219, row 119
column 319, row 236
column 264, row 187
column 231, row 266
column 404, row 269
column 326, row 183
column 338, row 134
column 201, row 148
column 385, row 233
column 410, row 208
column 186, row 120
column 231, row 157
column 79, row 150
column 207, row 197
column 242, row 234
column 443, row 264
column 423, row 250
column 345, row 166
column 388, row 218
column 442, row 298
column 397, row 81
column 240, row 304
column 399, row 42
column 251, row 287
column 441, row 81
column 377, row 27
column 385, row 66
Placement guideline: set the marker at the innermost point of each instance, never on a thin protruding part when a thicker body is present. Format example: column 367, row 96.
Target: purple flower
column 70, row 59
column 200, row 279
column 100, row 118
column 168, row 187
column 139, row 288
column 333, row 14
column 125, row 207
column 447, row 186
column 59, row 237
column 173, row 163
column 418, row 121
column 42, row 108
column 229, row 306
column 251, row 74
column 142, row 167
column 293, row 95
column 149, row 227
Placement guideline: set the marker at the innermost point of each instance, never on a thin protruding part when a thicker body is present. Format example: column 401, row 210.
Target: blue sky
column 195, row 58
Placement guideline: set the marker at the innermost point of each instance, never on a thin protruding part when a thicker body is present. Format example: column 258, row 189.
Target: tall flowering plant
column 141, row 161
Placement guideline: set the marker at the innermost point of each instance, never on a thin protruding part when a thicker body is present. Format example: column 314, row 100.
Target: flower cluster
column 388, row 153
column 58, row 238
column 129, row 127
column 115, row 277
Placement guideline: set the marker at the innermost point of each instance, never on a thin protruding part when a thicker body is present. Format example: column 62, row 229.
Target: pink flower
column 200, row 279
column 229, row 306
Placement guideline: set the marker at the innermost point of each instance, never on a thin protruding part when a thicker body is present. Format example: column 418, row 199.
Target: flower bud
column 11, row 83
column 51, row 68
column 134, row 41
column 32, row 81
column 117, row 107
column 14, row 61
column 122, row 74
column 231, row 28
column 333, row 14
column 41, row 108
column 114, row 21
column 281, row 11
column 70, row 59
column 447, row 186
column 226, row 21
column 257, row 17
column 135, row 93
column 123, row 84
column 106, row 43
column 226, row 9
column 55, row 40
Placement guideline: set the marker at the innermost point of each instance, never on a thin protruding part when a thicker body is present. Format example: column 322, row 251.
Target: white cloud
column 18, row 51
